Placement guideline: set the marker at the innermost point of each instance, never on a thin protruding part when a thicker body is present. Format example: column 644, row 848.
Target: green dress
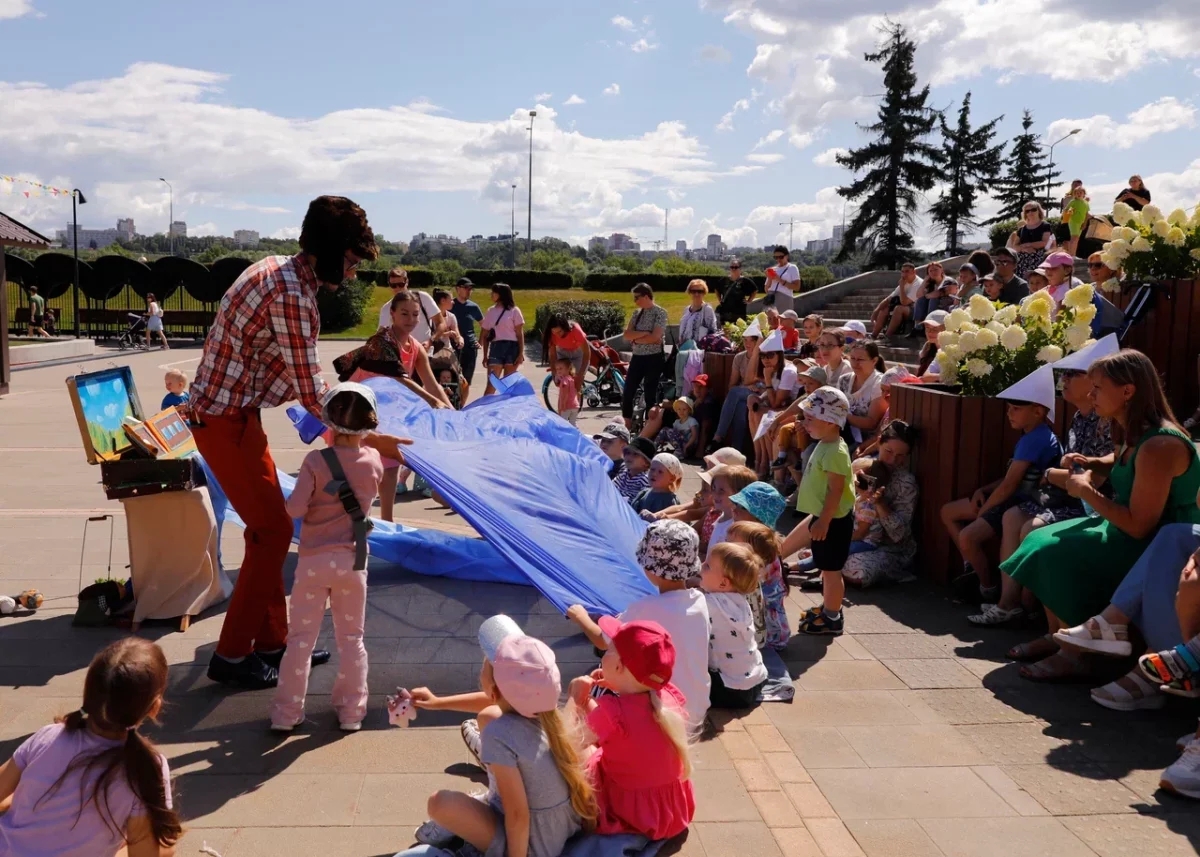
column 1075, row 566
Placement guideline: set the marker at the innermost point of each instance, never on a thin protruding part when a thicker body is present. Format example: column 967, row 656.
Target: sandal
column 1033, row 651
column 1131, row 692
column 1173, row 671
column 1059, row 667
column 1097, row 635
column 994, row 615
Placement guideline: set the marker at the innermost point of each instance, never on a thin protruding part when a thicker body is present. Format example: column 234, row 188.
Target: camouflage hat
column 828, row 404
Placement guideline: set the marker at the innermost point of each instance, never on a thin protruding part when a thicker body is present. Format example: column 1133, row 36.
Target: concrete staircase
column 858, row 306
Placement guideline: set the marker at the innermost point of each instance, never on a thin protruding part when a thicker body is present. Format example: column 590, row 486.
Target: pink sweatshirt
column 326, row 525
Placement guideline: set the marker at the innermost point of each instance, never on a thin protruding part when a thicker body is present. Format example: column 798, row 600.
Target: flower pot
column 719, row 368
column 1169, row 335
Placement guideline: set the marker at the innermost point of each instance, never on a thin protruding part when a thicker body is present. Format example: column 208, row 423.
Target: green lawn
column 528, row 301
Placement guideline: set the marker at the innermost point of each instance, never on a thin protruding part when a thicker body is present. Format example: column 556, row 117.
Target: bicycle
column 607, row 384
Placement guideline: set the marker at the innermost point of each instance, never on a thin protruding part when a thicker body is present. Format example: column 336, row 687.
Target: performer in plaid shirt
column 260, row 353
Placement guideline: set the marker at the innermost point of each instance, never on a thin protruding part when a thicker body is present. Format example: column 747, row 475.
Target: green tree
column 628, row 264
column 899, row 163
column 1027, row 172
column 676, row 265
column 815, row 276
column 972, row 164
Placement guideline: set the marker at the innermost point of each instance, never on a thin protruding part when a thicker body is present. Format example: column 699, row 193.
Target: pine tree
column 1027, row 174
column 972, row 164
column 899, row 163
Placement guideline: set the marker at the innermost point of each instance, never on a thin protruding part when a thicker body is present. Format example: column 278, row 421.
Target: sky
column 726, row 112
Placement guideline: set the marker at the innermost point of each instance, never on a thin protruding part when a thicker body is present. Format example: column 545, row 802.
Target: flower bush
column 733, row 330
column 1150, row 245
column 987, row 348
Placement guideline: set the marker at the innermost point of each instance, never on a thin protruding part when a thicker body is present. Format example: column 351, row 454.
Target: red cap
column 645, row 648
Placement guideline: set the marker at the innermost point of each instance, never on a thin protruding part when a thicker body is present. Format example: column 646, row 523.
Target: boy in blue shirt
column 975, row 520
column 177, row 393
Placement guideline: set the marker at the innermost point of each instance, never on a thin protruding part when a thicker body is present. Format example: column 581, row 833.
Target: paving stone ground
column 910, row 735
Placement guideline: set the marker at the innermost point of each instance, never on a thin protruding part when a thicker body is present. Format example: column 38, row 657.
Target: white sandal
column 1097, row 635
column 994, row 614
column 1117, row 698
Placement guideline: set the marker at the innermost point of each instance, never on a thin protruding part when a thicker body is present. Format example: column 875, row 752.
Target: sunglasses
column 1030, row 211
column 780, row 258
column 1096, row 265
column 695, row 292
column 735, row 267
column 1004, row 260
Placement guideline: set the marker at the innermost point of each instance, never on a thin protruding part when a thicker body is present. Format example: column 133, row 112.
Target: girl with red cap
column 640, row 767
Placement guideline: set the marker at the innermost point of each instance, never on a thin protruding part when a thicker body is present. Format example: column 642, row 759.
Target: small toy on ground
column 401, row 710
column 30, row 599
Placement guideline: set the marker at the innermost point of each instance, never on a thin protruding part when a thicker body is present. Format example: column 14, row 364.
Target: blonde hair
column 741, row 564
column 177, row 374
column 565, row 747
column 671, row 722
column 698, row 282
column 758, row 537
column 736, row 476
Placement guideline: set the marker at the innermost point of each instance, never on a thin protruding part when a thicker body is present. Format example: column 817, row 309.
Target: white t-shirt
column 684, row 615
column 788, row 274
column 720, row 533
column 860, row 401
column 788, row 380
column 429, row 309
column 914, row 289
column 731, row 648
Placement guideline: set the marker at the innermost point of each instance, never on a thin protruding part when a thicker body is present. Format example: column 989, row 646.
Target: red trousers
column 236, row 450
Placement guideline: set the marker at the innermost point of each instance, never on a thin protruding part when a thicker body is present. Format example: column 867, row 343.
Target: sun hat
column 816, row 372
column 524, row 667
column 613, row 431
column 645, row 649
column 673, row 465
column 685, row 401
column 828, row 404
column 762, row 501
column 855, row 327
column 1060, row 259
column 669, row 549
column 792, row 314
column 725, row 455
column 938, row 317
column 772, row 344
column 895, row 375
column 347, row 387
column 643, row 446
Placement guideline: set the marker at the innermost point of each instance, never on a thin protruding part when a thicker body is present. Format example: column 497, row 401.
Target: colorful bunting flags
column 35, row 188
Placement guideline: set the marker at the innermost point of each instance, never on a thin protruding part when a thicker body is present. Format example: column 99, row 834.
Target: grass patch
column 528, row 301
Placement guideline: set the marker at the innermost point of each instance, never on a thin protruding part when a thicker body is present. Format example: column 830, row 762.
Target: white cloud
column 828, row 158
column 765, row 157
column 201, row 230
column 543, row 97
column 642, row 45
column 623, row 23
column 726, row 123
column 15, row 8
column 1159, row 117
column 155, row 119
column 715, row 53
column 424, row 105
column 770, row 139
column 573, row 100
column 614, row 89
column 287, row 233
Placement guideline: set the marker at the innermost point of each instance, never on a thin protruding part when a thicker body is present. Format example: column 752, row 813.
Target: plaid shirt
column 262, row 348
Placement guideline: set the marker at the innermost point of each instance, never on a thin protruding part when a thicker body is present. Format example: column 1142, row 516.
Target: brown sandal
column 1035, row 650
column 1061, row 667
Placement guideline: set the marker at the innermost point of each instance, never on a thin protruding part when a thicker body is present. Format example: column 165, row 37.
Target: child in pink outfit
column 332, row 564
column 568, row 390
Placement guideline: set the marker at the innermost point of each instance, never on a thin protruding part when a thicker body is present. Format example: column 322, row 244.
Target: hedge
column 595, row 317
column 522, row 279
column 343, row 309
column 659, row 282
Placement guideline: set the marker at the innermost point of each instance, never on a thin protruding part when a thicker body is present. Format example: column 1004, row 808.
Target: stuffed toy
column 401, row 710
column 30, row 599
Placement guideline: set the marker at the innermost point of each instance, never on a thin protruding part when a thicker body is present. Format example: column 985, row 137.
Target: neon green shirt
column 830, row 457
column 1076, row 214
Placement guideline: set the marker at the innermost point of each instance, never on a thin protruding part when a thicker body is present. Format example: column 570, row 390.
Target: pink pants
column 319, row 577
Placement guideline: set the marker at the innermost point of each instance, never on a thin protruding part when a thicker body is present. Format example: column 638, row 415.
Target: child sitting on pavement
column 666, row 475
column 727, row 480
column 635, row 476
column 641, row 765
column 612, row 441
column 669, row 556
column 735, row 665
column 760, row 505
column 681, row 439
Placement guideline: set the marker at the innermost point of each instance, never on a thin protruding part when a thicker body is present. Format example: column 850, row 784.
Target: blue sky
column 725, row 111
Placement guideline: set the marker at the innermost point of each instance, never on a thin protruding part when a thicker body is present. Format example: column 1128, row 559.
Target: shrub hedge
column 343, row 309
column 522, row 279
column 610, row 282
column 595, row 317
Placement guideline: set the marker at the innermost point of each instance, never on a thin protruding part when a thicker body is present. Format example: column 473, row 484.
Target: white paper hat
column 1083, row 359
column 752, row 329
column 1036, row 387
column 773, row 342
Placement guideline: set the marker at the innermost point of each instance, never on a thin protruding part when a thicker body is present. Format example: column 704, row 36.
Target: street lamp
column 1050, row 170
column 76, row 197
column 171, row 222
column 529, row 225
column 512, row 228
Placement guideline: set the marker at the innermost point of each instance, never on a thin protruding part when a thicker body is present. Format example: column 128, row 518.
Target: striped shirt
column 262, row 348
column 631, row 484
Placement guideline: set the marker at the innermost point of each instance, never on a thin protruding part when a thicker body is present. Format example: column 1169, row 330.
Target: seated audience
column 666, row 475
column 744, row 380
column 812, row 326
column 969, row 285
column 894, row 507
column 613, row 440
column 760, row 503
column 935, row 277
column 781, row 381
column 635, row 476
column 862, row 388
column 898, row 306
column 727, row 480
column 791, row 335
column 735, row 665
column 771, row 628
column 1012, row 287
column 928, row 367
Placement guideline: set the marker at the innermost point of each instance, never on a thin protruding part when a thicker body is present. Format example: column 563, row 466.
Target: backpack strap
column 339, row 486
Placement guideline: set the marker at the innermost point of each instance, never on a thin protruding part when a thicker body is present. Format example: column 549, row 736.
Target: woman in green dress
column 1075, row 566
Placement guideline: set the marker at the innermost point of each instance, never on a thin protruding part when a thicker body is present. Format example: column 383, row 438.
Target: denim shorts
column 503, row 352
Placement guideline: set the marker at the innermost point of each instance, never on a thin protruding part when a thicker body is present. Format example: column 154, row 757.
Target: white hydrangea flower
column 981, row 308
column 947, row 338
column 1195, row 254
column 1076, row 335
column 1129, row 234
column 1176, row 238
column 1039, row 305
column 1079, row 297
column 968, row 342
column 1141, row 245
column 1086, row 344
column 1007, row 314
column 1138, row 219
column 953, row 352
column 1151, row 213
column 1014, row 337
column 1049, row 354
column 1084, row 315
column 987, row 338
column 956, row 319
column 1119, row 249
column 949, row 373
column 995, row 327
column 977, row 367
column 1178, row 217
column 1122, row 213
column 1161, row 228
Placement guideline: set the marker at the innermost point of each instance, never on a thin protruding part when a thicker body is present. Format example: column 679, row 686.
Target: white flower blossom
column 1151, row 213
column 1049, row 354
column 1119, row 249
column 1161, row 228
column 969, row 327
column 953, row 353
column 1178, row 217
column 968, row 342
column 1129, row 234
column 1084, row 315
column 1076, row 335
column 978, row 368
column 987, row 338
column 949, row 367
column 1007, row 314
column 1141, row 245
column 1195, row 254
column 956, row 318
column 981, row 308
column 1122, row 213
column 1079, row 297
column 995, row 327
column 947, row 338
column 1176, row 238
column 1014, row 337
column 1138, row 219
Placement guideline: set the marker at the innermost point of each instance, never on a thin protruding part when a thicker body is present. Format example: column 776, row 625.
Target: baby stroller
column 135, row 335
column 444, row 360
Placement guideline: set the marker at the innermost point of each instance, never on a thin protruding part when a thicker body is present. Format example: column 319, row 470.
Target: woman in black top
column 1136, row 196
column 1033, row 241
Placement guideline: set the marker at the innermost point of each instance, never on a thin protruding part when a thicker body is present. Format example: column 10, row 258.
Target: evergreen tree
column 898, row 163
column 972, row 164
column 1027, row 172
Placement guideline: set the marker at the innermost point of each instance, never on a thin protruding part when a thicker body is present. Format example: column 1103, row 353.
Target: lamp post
column 171, row 222
column 512, row 228
column 76, row 197
column 529, row 224
column 1050, row 169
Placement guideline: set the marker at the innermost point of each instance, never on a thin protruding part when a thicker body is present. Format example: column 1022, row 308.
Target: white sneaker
column 1183, row 777
column 282, row 727
column 432, row 833
column 470, row 736
column 994, row 614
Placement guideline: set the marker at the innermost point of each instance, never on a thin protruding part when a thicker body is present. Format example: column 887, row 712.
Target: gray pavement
column 910, row 735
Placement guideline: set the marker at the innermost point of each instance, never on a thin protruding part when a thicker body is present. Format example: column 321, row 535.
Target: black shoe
column 274, row 659
column 250, row 673
column 813, row 584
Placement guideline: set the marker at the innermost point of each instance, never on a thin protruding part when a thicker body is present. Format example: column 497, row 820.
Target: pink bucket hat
column 524, row 667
